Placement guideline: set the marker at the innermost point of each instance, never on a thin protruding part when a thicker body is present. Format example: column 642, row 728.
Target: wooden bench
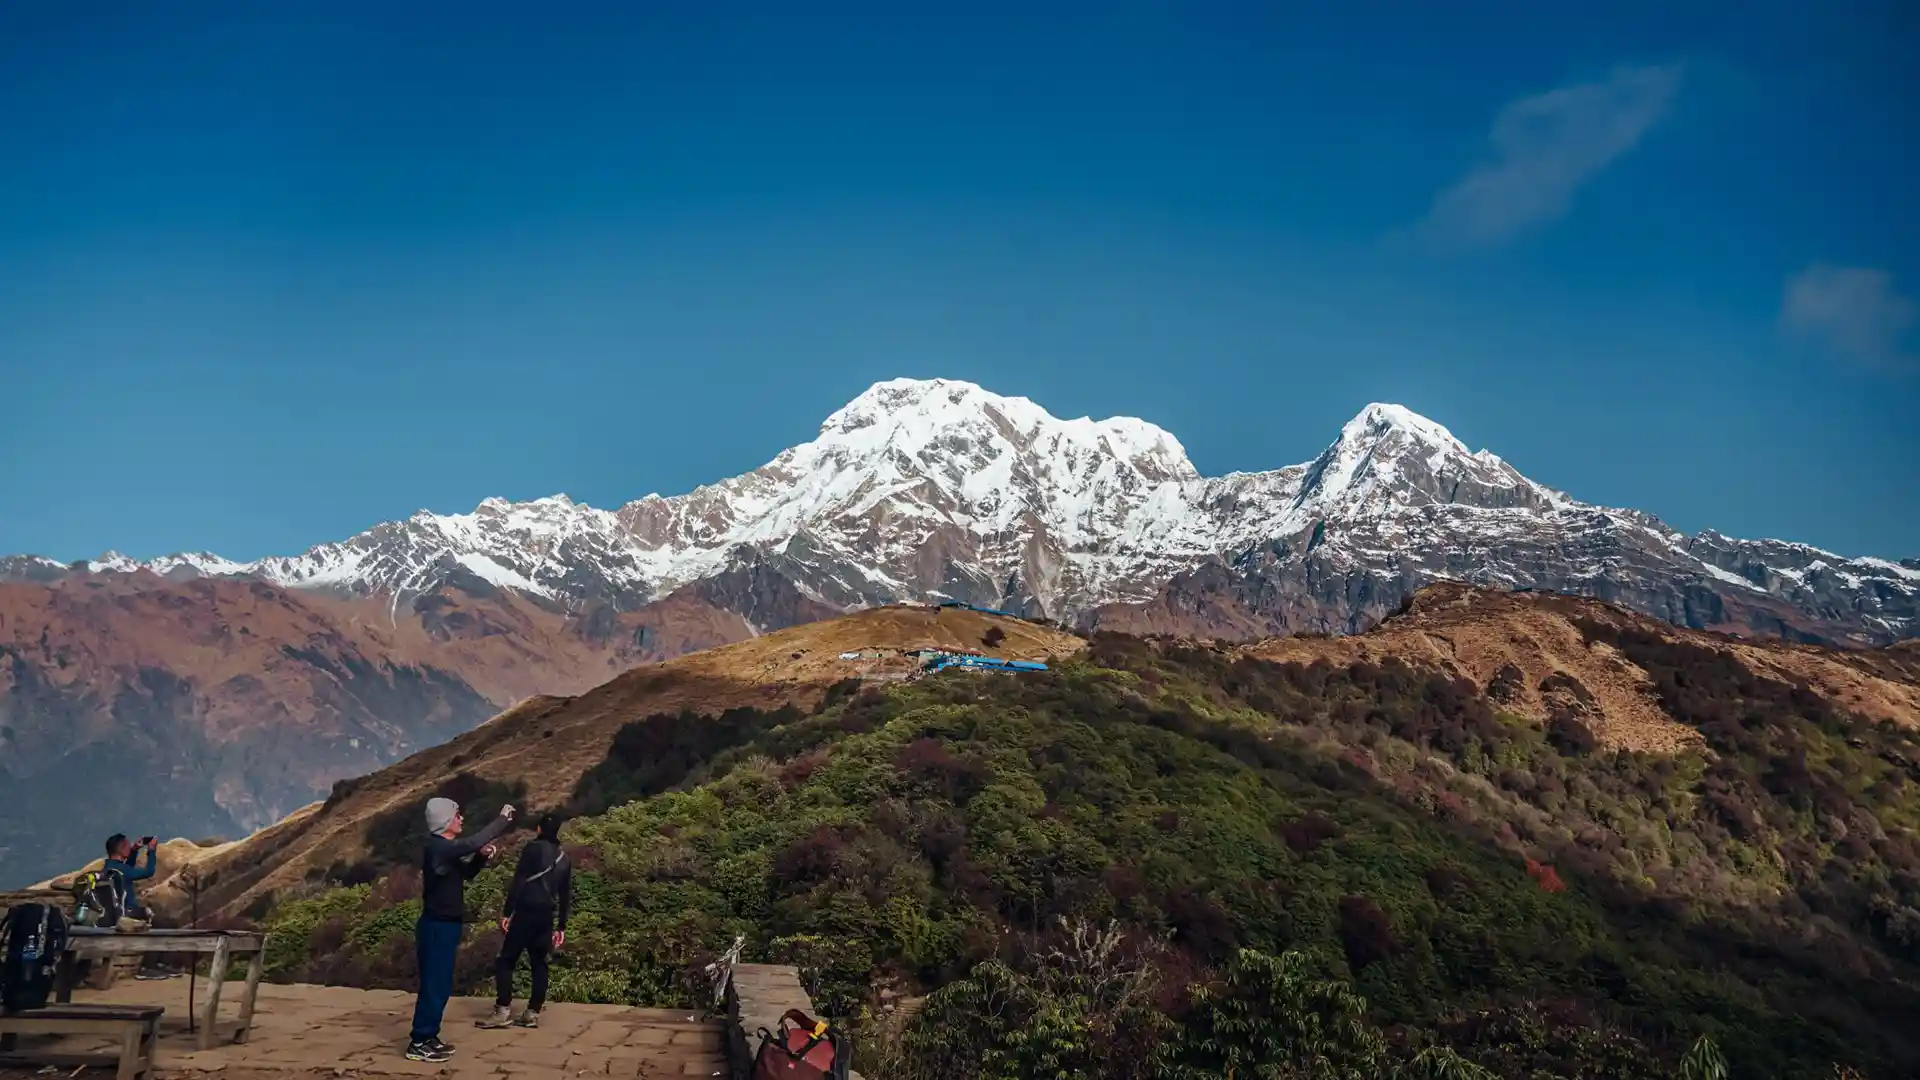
column 132, row 1028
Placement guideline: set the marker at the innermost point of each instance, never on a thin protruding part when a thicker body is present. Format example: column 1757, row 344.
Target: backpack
column 99, row 898
column 35, row 935
column 810, row 1051
column 546, row 882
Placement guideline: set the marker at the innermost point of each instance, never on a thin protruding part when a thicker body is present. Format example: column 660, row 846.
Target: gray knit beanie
column 440, row 813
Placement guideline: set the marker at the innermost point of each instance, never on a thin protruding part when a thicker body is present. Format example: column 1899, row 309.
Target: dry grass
column 549, row 742
column 1474, row 633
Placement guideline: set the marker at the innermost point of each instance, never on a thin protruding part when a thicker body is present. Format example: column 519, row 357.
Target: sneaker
column 425, row 1051
column 528, row 1019
column 439, row 1046
column 500, row 1017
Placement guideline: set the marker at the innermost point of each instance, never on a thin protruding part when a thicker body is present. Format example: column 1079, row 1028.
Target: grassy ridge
column 1543, row 907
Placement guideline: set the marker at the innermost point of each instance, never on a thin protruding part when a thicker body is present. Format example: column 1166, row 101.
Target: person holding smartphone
column 446, row 865
column 122, row 858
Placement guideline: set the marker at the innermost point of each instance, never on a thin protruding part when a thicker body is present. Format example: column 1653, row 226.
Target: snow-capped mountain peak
column 1381, row 419
column 936, row 487
column 115, row 563
column 1389, row 458
column 917, row 417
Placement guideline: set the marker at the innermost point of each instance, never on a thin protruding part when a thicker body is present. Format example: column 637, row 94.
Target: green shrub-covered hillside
column 1168, row 862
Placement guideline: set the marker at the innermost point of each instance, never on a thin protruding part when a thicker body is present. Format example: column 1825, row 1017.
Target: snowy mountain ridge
column 939, row 488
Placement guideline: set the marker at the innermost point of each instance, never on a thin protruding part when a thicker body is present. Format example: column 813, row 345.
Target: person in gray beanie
column 446, row 866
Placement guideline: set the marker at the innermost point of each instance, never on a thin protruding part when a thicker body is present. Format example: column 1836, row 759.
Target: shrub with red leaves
column 928, row 761
column 812, row 857
column 398, row 887
column 328, row 936
column 1545, row 875
column 797, row 772
column 1200, row 924
column 1365, row 931
column 1306, row 834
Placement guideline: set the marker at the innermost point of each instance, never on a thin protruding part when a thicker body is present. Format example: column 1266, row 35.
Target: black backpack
column 97, row 898
column 547, row 878
column 35, row 935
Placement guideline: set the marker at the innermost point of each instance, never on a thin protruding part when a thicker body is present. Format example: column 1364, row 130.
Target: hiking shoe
column 500, row 1017
column 425, row 1051
column 439, row 1046
column 528, row 1019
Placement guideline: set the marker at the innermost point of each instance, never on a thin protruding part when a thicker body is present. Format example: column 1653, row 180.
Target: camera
column 146, row 841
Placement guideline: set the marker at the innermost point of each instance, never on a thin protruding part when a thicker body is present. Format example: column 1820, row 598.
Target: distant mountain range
column 253, row 686
column 938, row 488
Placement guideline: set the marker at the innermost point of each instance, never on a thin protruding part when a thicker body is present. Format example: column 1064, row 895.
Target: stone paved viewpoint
column 328, row 1032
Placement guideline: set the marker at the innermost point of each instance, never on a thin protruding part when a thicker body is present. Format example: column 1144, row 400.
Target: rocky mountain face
column 937, row 488
column 212, row 707
column 1371, row 566
column 252, row 680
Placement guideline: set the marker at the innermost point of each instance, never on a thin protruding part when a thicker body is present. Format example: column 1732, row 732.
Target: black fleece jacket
column 444, row 874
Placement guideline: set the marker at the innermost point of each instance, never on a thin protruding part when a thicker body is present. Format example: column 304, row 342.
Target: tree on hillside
column 1268, row 1019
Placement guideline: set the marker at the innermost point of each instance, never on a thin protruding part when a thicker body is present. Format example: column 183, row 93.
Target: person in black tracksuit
column 534, row 919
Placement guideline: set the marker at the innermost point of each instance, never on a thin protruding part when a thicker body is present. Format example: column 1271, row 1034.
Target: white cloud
column 1852, row 310
column 1544, row 148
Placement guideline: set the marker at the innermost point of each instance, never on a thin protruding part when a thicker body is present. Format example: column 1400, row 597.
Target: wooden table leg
column 130, row 1053
column 149, row 1045
column 256, row 967
column 65, row 973
column 215, row 976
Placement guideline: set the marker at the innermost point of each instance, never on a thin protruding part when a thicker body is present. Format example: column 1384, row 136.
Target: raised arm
column 454, row 850
column 136, row 872
column 471, row 868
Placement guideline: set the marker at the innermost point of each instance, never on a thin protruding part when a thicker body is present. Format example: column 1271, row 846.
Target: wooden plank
column 32, row 1060
column 93, row 1011
column 99, row 946
column 27, row 1024
column 79, row 933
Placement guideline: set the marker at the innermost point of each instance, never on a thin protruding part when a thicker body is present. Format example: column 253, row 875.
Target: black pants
column 531, row 932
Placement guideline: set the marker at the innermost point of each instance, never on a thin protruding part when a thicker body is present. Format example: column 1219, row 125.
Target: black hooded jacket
column 542, row 881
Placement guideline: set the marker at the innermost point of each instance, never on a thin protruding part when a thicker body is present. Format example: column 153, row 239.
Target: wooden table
column 93, row 943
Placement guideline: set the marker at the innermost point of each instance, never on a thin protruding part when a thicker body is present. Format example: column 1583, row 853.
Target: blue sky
column 272, row 273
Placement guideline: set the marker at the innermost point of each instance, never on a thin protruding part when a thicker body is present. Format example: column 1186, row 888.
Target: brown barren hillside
column 549, row 742
column 249, row 700
column 1526, row 650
